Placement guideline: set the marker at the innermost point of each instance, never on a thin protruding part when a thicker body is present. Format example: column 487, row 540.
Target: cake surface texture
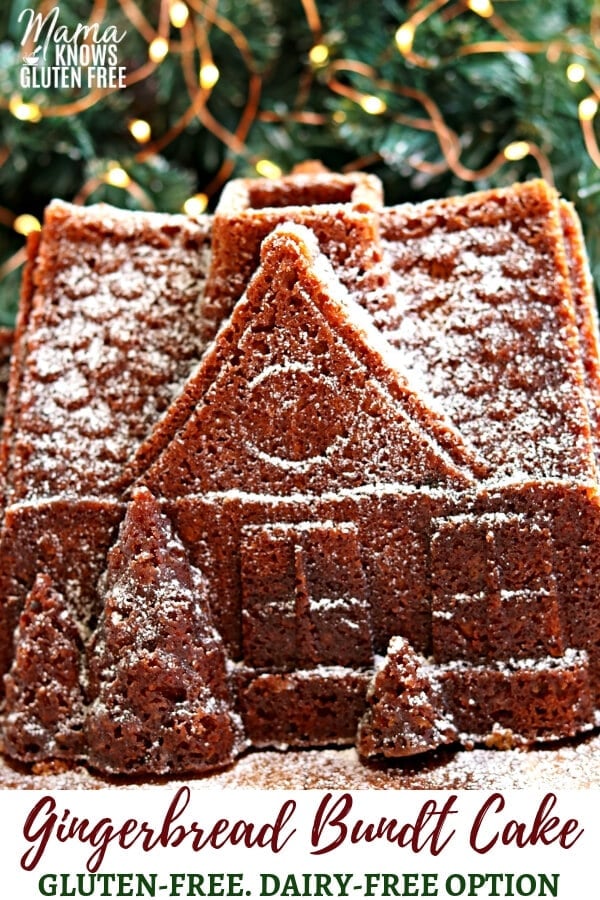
column 309, row 472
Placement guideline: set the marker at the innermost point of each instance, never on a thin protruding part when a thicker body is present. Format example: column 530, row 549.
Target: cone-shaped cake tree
column 158, row 666
column 44, row 700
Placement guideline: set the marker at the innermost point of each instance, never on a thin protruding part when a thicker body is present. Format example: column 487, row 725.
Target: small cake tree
column 404, row 715
column 44, row 699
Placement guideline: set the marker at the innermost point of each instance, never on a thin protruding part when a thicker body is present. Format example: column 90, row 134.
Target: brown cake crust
column 45, row 706
column 485, row 313
column 586, row 313
column 66, row 540
column 341, row 210
column 296, row 318
column 436, row 504
column 159, row 691
column 405, row 712
column 107, row 333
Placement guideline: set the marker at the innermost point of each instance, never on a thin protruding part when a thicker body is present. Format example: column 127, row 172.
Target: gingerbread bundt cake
column 311, row 471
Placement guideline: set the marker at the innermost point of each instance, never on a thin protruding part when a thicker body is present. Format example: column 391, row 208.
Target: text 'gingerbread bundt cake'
column 309, row 471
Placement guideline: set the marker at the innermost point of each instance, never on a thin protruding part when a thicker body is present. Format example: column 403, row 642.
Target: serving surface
column 573, row 765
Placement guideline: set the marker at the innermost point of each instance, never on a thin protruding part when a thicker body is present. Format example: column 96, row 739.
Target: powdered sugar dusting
column 482, row 318
column 572, row 766
column 482, row 324
column 113, row 334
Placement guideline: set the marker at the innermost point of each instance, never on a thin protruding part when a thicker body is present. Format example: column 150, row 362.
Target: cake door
column 306, row 633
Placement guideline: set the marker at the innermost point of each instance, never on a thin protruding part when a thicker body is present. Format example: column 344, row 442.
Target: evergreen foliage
column 489, row 99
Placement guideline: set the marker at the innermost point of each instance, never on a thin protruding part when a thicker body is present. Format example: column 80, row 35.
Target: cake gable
column 300, row 393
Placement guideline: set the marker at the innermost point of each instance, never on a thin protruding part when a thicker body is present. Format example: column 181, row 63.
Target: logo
column 55, row 56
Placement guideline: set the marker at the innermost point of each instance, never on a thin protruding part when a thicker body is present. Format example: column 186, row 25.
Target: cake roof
column 586, row 314
column 485, row 313
column 107, row 334
column 301, row 393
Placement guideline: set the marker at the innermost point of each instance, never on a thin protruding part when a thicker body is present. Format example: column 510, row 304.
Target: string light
column 209, row 75
column 587, row 109
column 483, row 8
column 196, row 205
column 141, row 131
column 25, row 112
column 404, row 37
column 553, row 53
column 375, row 106
column 575, row 73
column 339, row 117
column 268, row 169
column 319, row 54
column 158, row 49
column 116, row 176
column 516, row 151
column 178, row 13
column 26, row 223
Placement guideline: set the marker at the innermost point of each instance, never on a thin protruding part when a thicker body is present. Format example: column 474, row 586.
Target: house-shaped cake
column 309, row 471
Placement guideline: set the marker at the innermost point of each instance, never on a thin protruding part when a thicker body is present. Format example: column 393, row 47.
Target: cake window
column 304, row 597
column 494, row 590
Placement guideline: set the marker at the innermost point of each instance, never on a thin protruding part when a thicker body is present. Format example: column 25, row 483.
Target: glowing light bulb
column 517, row 150
column 405, row 36
column 25, row 112
column 117, row 177
column 483, row 8
column 587, row 109
column 140, row 129
column 319, row 54
column 339, row 116
column 158, row 49
column 575, row 72
column 209, row 75
column 375, row 106
column 196, row 205
column 26, row 223
column 268, row 169
column 178, row 14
